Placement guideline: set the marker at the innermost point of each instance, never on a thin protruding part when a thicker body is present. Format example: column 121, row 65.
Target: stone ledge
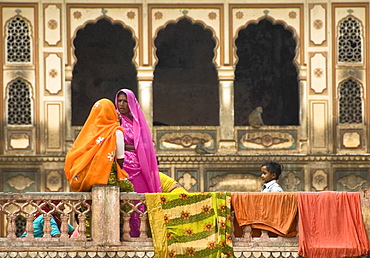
column 208, row 158
column 141, row 254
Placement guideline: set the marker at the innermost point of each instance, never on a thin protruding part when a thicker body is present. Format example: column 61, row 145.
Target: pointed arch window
column 19, row 103
column 350, row 102
column 104, row 64
column 266, row 74
column 185, row 86
column 350, row 40
column 18, row 40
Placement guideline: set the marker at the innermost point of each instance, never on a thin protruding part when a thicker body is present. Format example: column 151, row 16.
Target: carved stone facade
column 327, row 149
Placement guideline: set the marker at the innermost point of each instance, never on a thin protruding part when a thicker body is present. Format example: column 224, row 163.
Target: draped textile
column 190, row 224
column 90, row 159
column 275, row 212
column 331, row 225
column 141, row 164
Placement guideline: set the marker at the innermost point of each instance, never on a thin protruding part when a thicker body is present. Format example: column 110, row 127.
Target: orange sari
column 90, row 159
column 331, row 225
column 275, row 212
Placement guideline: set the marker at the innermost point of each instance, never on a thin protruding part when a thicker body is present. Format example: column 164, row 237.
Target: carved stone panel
column 185, row 140
column 20, row 181
column 319, row 179
column 351, row 139
column 19, row 140
column 319, row 130
column 188, row 178
column 53, row 125
column 263, row 140
column 53, row 73
column 292, row 180
column 351, row 180
column 241, row 180
column 52, row 14
column 318, row 24
column 318, row 75
column 54, row 180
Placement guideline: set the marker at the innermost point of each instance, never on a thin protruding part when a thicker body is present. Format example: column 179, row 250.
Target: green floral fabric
column 190, row 224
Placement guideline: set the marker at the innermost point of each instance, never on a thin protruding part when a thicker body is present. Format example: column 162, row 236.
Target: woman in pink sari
column 140, row 158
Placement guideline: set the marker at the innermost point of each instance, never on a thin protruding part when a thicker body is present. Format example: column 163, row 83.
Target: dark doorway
column 266, row 75
column 185, row 88
column 104, row 53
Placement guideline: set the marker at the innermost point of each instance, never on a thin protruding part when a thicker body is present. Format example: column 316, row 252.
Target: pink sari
column 131, row 162
column 141, row 163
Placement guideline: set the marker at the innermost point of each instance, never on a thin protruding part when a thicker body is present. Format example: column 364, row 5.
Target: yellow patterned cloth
column 190, row 224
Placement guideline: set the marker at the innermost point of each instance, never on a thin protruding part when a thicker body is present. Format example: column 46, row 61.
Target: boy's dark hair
column 273, row 167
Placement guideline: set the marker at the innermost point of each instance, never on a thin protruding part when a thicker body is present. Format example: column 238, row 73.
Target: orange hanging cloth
column 90, row 159
column 331, row 225
column 274, row 212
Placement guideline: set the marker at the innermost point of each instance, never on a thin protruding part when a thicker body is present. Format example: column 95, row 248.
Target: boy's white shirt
column 271, row 186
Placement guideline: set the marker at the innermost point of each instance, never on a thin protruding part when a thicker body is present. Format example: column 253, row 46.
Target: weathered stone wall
column 327, row 150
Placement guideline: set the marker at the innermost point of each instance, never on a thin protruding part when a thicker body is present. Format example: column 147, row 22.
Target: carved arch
column 193, row 22
column 112, row 21
column 266, row 73
column 184, row 68
column 274, row 22
column 104, row 64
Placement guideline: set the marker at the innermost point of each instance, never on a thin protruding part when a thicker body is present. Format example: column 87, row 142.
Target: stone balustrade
column 109, row 212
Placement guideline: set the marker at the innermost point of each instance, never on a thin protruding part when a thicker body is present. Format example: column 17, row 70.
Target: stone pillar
column 105, row 207
column 303, row 106
column 226, row 88
column 68, row 108
column 145, row 93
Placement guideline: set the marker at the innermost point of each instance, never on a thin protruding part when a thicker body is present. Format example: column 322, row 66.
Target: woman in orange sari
column 97, row 148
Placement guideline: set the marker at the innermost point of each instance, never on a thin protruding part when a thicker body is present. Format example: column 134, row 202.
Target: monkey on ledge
column 255, row 118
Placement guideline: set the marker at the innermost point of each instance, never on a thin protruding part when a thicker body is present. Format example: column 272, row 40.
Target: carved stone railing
column 109, row 212
column 14, row 206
